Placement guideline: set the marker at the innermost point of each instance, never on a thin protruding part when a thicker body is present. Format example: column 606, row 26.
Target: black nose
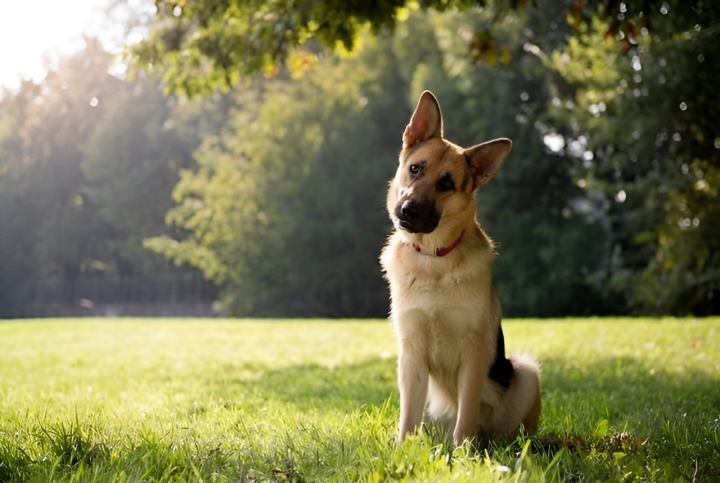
column 410, row 210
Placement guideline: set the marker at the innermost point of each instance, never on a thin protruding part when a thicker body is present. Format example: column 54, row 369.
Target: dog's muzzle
column 417, row 217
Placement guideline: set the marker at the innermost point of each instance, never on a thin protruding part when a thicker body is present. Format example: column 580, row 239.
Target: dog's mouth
column 412, row 228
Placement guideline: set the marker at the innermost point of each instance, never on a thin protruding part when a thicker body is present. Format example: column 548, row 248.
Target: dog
column 438, row 263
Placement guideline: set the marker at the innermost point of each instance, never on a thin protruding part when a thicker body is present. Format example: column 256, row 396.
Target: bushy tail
column 521, row 401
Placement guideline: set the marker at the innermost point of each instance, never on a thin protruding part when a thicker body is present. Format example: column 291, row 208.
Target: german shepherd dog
column 438, row 262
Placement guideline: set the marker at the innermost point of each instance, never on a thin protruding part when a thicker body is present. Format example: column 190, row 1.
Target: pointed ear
column 485, row 159
column 426, row 121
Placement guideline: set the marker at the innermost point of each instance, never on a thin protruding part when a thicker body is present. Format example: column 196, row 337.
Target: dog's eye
column 445, row 183
column 414, row 168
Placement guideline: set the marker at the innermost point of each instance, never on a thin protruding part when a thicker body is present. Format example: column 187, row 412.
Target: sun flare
column 34, row 34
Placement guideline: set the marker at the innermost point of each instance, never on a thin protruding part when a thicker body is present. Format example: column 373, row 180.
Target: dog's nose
column 409, row 210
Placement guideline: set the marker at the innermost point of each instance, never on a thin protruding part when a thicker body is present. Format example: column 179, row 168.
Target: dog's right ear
column 426, row 121
column 486, row 159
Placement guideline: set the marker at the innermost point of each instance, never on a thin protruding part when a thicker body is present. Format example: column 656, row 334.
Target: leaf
column 601, row 429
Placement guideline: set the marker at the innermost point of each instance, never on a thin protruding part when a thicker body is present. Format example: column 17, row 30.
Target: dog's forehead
column 436, row 154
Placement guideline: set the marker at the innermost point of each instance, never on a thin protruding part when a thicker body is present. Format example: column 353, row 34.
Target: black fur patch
column 446, row 183
column 502, row 369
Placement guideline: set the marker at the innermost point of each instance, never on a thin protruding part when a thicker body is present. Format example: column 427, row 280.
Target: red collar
column 441, row 252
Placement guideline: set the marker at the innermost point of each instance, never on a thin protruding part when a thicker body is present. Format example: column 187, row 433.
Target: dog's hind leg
column 533, row 416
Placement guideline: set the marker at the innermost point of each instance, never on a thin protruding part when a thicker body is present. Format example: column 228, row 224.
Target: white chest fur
column 436, row 302
column 434, row 285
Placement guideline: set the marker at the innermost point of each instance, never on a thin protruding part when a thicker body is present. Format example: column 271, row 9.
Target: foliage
column 280, row 209
column 529, row 208
column 87, row 165
column 330, row 157
column 606, row 204
column 134, row 151
column 647, row 122
column 44, row 213
column 316, row 400
column 202, row 45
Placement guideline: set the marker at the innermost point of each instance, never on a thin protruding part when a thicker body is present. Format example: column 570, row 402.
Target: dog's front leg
column 413, row 384
column 470, row 386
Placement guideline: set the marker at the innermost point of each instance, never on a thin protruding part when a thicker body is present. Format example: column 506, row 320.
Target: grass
column 215, row 400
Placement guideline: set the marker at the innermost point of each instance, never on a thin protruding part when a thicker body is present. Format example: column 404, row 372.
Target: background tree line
column 87, row 164
column 273, row 186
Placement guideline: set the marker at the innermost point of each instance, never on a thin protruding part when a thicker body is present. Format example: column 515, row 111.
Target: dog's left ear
column 485, row 159
column 426, row 121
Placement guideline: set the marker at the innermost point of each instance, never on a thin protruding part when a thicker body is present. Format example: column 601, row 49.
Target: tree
column 87, row 165
column 130, row 165
column 618, row 193
column 280, row 211
column 530, row 207
column 272, row 260
column 649, row 118
column 201, row 45
column 17, row 215
column 50, row 225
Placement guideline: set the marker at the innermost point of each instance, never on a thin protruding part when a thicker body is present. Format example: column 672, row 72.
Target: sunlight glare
column 33, row 34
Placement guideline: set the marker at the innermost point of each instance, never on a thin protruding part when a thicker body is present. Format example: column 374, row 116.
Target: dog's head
column 436, row 180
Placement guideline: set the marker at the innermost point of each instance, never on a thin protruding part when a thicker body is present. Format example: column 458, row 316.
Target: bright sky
column 35, row 31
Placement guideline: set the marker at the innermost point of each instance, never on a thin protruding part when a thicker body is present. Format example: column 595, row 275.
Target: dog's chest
column 433, row 284
column 441, row 306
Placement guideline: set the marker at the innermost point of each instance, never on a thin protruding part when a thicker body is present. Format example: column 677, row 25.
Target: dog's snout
column 417, row 217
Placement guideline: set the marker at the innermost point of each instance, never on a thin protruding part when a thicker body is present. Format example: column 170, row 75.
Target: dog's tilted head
column 436, row 181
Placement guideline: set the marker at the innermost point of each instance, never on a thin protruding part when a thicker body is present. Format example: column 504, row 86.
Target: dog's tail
column 521, row 402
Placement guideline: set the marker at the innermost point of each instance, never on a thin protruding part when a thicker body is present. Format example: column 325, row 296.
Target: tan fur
column 444, row 309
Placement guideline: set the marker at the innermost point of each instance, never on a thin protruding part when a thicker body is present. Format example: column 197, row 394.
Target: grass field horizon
column 624, row 399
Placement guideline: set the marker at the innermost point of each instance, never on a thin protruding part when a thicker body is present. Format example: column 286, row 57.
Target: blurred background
column 201, row 157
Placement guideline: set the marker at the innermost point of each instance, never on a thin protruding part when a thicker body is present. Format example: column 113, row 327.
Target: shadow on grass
column 627, row 385
column 311, row 387
column 612, row 388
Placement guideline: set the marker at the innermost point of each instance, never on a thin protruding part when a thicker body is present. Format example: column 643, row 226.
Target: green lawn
column 220, row 400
